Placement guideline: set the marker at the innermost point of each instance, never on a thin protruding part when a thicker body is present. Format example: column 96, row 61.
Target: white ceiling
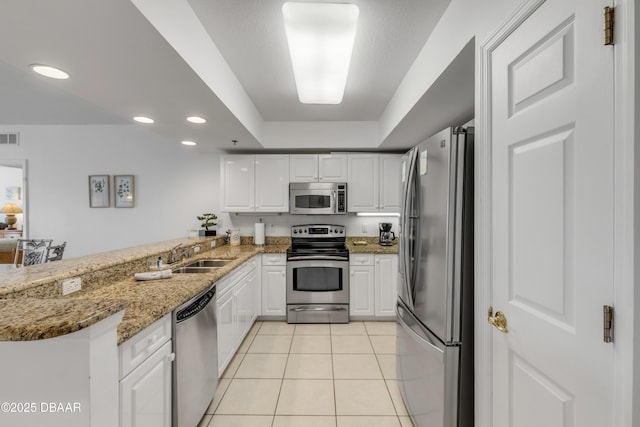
column 122, row 66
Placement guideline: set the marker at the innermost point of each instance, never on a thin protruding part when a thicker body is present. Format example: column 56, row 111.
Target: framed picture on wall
column 13, row 193
column 123, row 191
column 99, row 191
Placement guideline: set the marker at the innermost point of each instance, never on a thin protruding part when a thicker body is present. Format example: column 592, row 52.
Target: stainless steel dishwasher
column 195, row 370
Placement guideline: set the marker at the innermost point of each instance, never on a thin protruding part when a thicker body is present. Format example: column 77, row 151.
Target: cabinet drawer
column 361, row 259
column 274, row 259
column 134, row 351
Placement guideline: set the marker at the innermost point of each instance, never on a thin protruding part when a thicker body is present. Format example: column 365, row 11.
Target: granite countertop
column 144, row 302
column 34, row 316
column 370, row 245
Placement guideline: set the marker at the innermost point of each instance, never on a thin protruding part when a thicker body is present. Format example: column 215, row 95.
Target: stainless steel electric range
column 318, row 275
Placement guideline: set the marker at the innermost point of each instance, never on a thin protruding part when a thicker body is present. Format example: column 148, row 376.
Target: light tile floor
column 338, row 375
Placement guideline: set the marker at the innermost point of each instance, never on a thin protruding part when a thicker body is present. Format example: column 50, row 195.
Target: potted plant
column 207, row 221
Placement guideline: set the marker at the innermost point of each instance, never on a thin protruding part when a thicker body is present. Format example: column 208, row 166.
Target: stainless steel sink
column 189, row 269
column 209, row 263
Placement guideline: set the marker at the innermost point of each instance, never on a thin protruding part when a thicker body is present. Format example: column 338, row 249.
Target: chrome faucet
column 185, row 253
column 173, row 254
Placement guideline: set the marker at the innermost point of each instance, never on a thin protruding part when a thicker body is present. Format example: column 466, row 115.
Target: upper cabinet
column 374, row 182
column 237, row 183
column 318, row 168
column 254, row 183
column 390, row 186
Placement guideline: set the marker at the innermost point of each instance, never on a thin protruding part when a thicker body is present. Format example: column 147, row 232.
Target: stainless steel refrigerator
column 435, row 292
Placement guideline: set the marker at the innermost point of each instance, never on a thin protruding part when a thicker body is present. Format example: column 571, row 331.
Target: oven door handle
column 316, row 257
column 298, row 309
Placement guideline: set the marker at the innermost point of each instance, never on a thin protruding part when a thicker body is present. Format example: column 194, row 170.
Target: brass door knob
column 499, row 320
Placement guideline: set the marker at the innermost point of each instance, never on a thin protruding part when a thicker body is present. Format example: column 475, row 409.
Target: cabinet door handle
column 171, row 357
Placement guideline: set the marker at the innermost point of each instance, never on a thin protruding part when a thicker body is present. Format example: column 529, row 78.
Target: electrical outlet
column 71, row 285
column 213, row 243
column 364, row 228
column 196, row 249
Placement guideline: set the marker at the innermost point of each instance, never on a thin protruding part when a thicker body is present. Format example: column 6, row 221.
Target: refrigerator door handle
column 408, row 229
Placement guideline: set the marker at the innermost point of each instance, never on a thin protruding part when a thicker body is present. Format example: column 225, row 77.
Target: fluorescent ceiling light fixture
column 48, row 71
column 188, row 143
column 196, row 119
column 320, row 37
column 143, row 119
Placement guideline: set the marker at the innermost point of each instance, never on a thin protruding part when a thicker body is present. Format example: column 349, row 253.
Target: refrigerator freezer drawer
column 428, row 374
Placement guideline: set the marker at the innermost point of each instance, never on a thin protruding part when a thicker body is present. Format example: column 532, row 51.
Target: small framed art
column 99, row 191
column 123, row 191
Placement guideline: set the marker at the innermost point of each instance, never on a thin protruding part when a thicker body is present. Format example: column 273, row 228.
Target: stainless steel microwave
column 317, row 198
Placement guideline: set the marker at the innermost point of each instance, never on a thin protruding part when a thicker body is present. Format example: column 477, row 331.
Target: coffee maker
column 386, row 235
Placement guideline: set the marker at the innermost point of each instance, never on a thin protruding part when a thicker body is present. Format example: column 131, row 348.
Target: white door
column 551, row 142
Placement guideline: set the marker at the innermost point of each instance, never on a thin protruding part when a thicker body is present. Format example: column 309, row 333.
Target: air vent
column 9, row 139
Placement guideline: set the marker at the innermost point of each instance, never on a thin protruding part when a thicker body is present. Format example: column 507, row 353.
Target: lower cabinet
column 237, row 308
column 386, row 285
column 145, row 377
column 373, row 285
column 274, row 285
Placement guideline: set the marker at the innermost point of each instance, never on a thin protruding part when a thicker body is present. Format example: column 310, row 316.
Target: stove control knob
column 341, row 231
column 295, row 231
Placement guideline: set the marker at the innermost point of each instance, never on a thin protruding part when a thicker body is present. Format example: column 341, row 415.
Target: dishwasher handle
column 198, row 304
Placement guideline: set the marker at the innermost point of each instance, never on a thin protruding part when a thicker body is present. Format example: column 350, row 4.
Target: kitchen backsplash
column 280, row 225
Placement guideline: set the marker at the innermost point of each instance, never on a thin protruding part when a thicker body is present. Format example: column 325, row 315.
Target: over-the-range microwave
column 317, row 198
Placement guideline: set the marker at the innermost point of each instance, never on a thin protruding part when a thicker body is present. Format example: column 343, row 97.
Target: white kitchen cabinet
column 254, row 183
column 363, row 182
column 390, row 177
column 272, row 183
column 237, row 183
column 318, row 168
column 361, row 285
column 274, row 285
column 226, row 323
column 145, row 377
column 374, row 182
column 236, row 309
column 386, row 285
column 373, row 285
column 145, row 393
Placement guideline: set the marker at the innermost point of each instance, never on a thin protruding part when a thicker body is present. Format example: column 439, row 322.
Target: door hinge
column 608, row 25
column 607, row 315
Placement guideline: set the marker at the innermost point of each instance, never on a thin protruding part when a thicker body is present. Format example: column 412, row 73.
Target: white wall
column 462, row 21
column 173, row 184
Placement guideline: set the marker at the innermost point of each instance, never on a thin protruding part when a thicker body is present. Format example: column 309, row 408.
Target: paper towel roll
column 258, row 233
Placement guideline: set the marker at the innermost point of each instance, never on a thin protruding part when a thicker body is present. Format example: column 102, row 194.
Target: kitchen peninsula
column 63, row 350
column 66, row 351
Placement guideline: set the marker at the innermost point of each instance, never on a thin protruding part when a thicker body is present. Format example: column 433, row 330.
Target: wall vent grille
column 9, row 138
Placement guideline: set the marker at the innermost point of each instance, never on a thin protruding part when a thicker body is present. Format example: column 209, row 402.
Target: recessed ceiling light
column 188, row 143
column 320, row 38
column 196, row 119
column 51, row 72
column 143, row 119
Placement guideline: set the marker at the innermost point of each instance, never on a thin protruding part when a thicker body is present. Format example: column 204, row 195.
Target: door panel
column 551, row 127
column 542, row 214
